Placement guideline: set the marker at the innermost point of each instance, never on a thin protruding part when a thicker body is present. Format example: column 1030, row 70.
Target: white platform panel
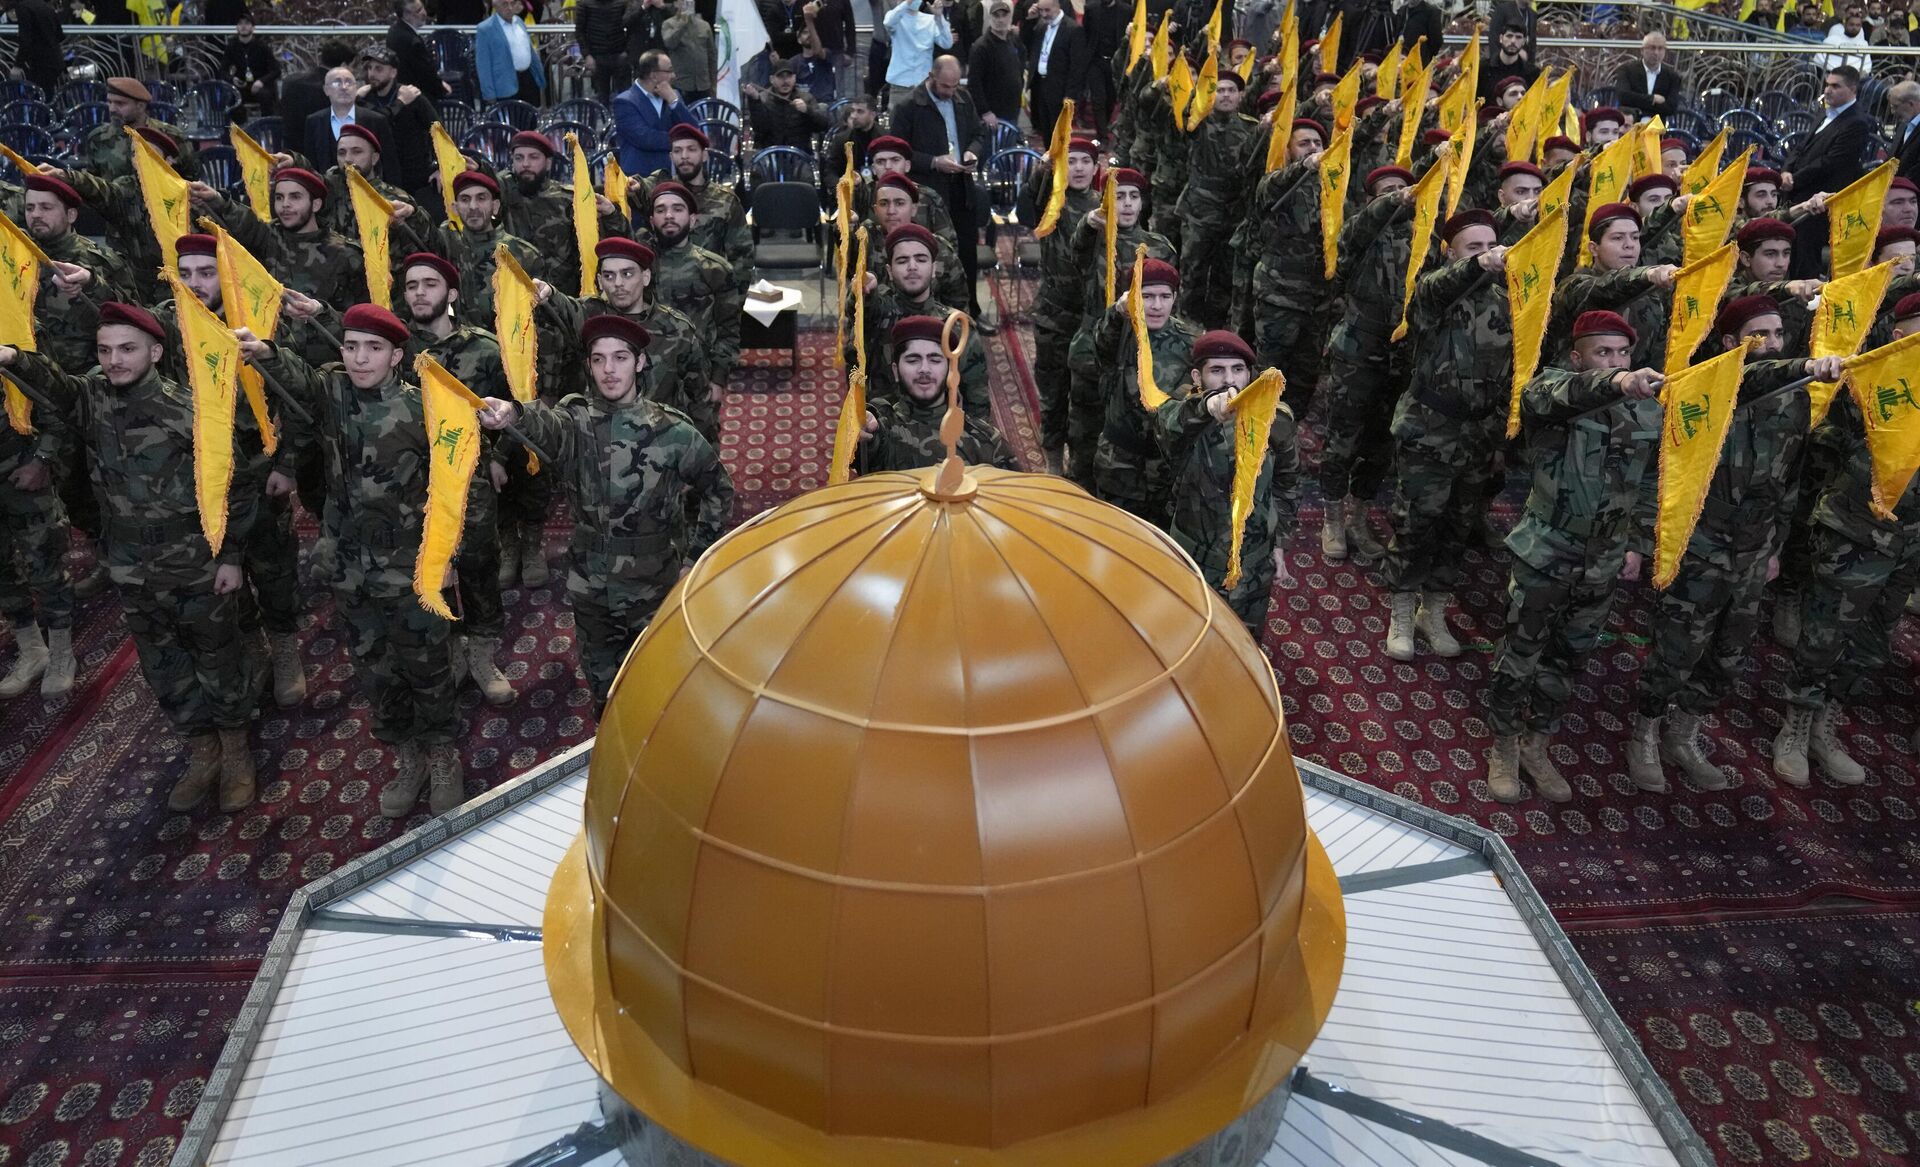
column 1361, row 841
column 1313, row 1135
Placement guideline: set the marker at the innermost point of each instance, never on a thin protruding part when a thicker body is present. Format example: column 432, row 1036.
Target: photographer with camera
column 915, row 29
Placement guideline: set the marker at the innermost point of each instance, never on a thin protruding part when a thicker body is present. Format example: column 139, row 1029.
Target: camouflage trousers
column 400, row 647
column 1053, row 325
column 1136, row 483
column 1358, row 451
column 33, row 558
column 1436, row 503
column 1206, row 266
column 1796, row 554
column 1086, row 417
column 190, row 646
column 1554, row 618
column 607, row 619
column 1253, row 595
column 527, row 498
column 1703, row 629
column 1291, row 340
column 1853, row 601
column 482, row 612
column 270, row 553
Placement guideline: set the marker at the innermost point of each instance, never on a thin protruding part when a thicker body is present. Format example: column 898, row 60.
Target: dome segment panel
column 910, row 966
column 911, row 816
column 1062, row 951
column 1047, row 804
column 1164, row 772
column 785, row 789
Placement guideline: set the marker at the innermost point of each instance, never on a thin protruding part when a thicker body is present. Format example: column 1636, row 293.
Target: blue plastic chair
column 492, row 141
column 79, row 93
column 270, row 132
column 28, row 111
column 513, row 112
column 713, row 109
column 457, row 118
column 585, row 110
column 782, row 164
column 558, row 131
column 220, row 167
column 21, row 91
column 27, row 139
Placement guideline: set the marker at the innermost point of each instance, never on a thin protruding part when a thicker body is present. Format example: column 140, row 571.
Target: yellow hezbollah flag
column 1213, row 26
column 451, row 163
column 1330, row 47
column 1246, row 68
column 1162, row 48
column 1532, row 266
column 513, row 304
column 1524, row 121
column 1346, row 95
column 165, row 194
column 1462, row 160
column 1180, row 89
column 1150, row 396
column 1200, row 105
column 374, row 214
column 20, row 260
column 843, row 227
column 1883, row 383
column 256, row 171
column 1646, row 146
column 212, row 356
column 1136, row 34
column 1253, row 411
column 1111, row 227
column 1606, row 183
column 853, row 407
column 1706, row 168
column 1413, row 105
column 1386, row 79
column 1697, row 289
column 1280, row 134
column 616, row 183
column 1455, row 106
column 1853, row 219
column 19, row 409
column 251, row 298
column 1470, row 59
column 586, row 217
column 1709, row 214
column 1426, row 208
column 453, row 448
column 1057, row 159
column 1848, row 306
column 1699, row 405
column 1556, row 105
column 1556, row 193
column 1336, row 172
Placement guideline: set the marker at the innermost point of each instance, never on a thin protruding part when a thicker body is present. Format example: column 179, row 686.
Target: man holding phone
column 939, row 121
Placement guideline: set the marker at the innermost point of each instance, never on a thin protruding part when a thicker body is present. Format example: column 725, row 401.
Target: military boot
column 203, row 766
column 289, row 678
column 1503, row 769
column 1643, row 755
column 1790, row 747
column 1056, row 460
column 448, row 779
column 399, row 796
column 236, row 770
column 1680, row 744
column 1546, row 776
column 1360, row 537
column 88, row 581
column 60, row 667
column 1786, row 619
column 1826, row 748
column 29, row 665
column 486, row 675
column 1333, row 534
column 509, row 555
column 533, row 558
column 1400, row 629
column 1431, row 622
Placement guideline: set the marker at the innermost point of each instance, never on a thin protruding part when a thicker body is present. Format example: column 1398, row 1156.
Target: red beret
column 1220, row 344
column 1527, row 168
column 1128, row 176
column 1489, row 112
column 1500, row 86
column 677, row 190
column 356, row 130
column 620, row 247
column 1560, row 142
column 467, row 178
column 1906, row 184
column 1679, row 144
column 196, row 245
column 115, row 312
column 1606, row 213
column 686, row 132
column 48, row 184
column 1605, row 113
column 618, row 327
column 1434, row 137
column 376, row 321
column 1470, row 218
column 912, row 233
column 1079, row 145
column 540, row 141
column 1370, row 56
column 314, row 184
column 1310, row 124
column 1238, row 44
column 1603, row 324
column 1908, row 307
column 1891, row 235
column 1761, row 176
column 447, row 271
column 888, row 144
column 1320, row 79
column 159, row 141
column 1267, row 100
column 1737, row 312
column 915, row 328
column 1758, row 231
column 1647, row 182
column 1380, row 172
column 900, row 182
column 1159, row 271
column 1368, row 102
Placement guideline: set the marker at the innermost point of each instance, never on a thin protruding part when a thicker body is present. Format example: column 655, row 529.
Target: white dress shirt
column 1046, row 43
column 519, row 44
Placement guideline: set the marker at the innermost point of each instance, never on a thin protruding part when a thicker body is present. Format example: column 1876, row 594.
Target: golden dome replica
column 945, row 823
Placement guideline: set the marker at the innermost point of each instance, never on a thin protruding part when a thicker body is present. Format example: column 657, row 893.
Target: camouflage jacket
column 1594, row 474
column 886, row 307
column 470, row 353
column 1462, row 362
column 1375, row 247
column 320, row 263
column 108, row 155
column 1627, row 291
column 140, row 446
column 543, row 217
column 1663, row 239
column 1285, row 218
column 1168, row 170
column 1130, row 86
column 909, row 437
column 64, row 326
column 949, row 278
column 720, row 225
column 1845, row 503
column 1882, row 331
column 129, row 232
column 930, row 211
column 1090, row 259
column 1794, row 312
column 1152, row 125
column 337, row 216
column 676, row 372
column 1218, row 180
column 1128, row 428
column 472, row 252
column 1200, row 452
column 1059, row 280
column 634, row 473
column 700, row 284
column 1756, row 486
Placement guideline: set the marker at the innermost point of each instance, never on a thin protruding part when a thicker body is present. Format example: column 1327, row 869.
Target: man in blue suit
column 645, row 111
column 505, row 58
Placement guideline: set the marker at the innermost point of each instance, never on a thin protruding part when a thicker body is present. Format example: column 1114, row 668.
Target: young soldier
column 1056, row 307
column 894, row 198
column 1617, row 283
column 1214, row 202
column 903, row 432
column 721, row 225
column 909, row 256
column 295, row 247
column 695, row 280
column 476, row 200
column 1130, row 470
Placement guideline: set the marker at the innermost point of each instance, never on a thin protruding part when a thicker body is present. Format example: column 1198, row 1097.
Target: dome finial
column 953, row 484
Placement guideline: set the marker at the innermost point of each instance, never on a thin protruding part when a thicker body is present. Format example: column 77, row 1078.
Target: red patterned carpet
column 132, row 933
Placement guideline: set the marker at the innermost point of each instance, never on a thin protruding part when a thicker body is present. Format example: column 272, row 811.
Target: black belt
column 152, row 534
column 1440, row 405
column 379, row 536
column 623, row 544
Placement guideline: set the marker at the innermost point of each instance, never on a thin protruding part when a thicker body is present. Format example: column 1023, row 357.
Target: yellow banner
column 1213, row 26
column 1456, row 104
column 1555, row 195
column 19, row 409
column 1336, row 174
column 1709, row 214
column 513, row 304
column 860, row 304
column 453, row 449
column 20, row 260
column 1462, row 161
column 451, row 164
column 1526, row 118
column 1697, row 289
column 586, row 217
column 1330, row 46
column 1556, row 105
column 256, row 171
column 1253, row 411
column 617, row 184
column 165, row 194
column 1606, row 183
column 853, row 407
column 212, row 355
column 1200, row 105
column 374, row 215
column 1699, row 405
column 1280, row 135
column 1111, row 227
column 1150, row 396
column 1162, row 48
column 1470, row 59
column 1057, row 159
column 1386, row 79
column 843, row 231
column 1533, row 264
column 1853, row 219
column 1706, row 168
column 1646, row 150
column 1413, row 105
column 1848, row 306
column 1136, row 34
column 251, row 298
column 1883, row 383
column 1426, row 209
column 1180, row 90
column 1346, row 95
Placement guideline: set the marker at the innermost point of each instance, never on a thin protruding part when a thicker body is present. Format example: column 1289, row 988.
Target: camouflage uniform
column 140, row 439
column 1211, row 206
column 473, row 253
column 473, row 356
column 700, row 285
column 1291, row 309
column 129, row 232
column 1367, row 369
column 1627, row 291
column 318, row 263
column 376, row 460
column 1130, row 469
column 64, row 326
column 33, row 535
column 930, row 211
column 909, row 438
column 676, row 373
column 1200, row 452
column 1168, row 174
column 634, row 473
column 543, row 216
column 1087, row 399
column 337, row 215
column 108, row 154
column 1663, row 239
column 720, row 225
column 1593, row 481
column 886, row 307
column 1056, row 308
column 949, row 278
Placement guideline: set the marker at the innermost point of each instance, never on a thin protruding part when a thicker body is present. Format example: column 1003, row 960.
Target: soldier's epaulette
column 673, row 412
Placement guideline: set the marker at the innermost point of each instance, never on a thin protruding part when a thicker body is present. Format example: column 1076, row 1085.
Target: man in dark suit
column 302, row 93
column 645, row 111
column 1828, row 161
column 940, row 123
column 1903, row 108
column 38, row 57
column 323, row 125
column 1647, row 86
column 1058, row 58
column 1422, row 18
column 411, row 56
